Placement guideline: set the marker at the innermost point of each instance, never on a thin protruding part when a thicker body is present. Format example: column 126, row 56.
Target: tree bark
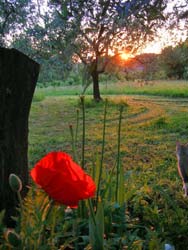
column 96, row 90
column 18, row 77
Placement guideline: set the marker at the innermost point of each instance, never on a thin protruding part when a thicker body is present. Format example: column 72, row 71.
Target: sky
column 165, row 38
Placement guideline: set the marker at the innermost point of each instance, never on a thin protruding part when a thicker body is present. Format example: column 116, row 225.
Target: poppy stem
column 53, row 225
column 118, row 152
column 73, row 141
column 82, row 98
column 102, row 152
column 77, row 123
column 76, row 132
column 91, row 211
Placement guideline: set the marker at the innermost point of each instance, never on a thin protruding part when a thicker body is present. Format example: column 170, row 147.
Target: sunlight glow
column 124, row 56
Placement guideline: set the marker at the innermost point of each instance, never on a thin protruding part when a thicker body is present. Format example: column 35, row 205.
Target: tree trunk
column 96, row 91
column 18, row 77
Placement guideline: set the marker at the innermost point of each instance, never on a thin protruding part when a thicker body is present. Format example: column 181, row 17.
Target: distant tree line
column 172, row 63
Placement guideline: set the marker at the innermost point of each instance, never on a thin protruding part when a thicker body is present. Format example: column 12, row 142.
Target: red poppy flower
column 62, row 179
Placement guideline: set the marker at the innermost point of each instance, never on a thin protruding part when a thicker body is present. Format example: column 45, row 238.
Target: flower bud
column 82, row 98
column 13, row 238
column 15, row 183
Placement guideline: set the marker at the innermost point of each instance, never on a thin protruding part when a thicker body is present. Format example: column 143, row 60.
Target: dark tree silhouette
column 18, row 77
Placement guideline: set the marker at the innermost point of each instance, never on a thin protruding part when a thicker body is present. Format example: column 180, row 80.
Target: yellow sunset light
column 124, row 56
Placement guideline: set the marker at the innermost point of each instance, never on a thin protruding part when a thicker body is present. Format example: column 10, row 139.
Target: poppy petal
column 63, row 179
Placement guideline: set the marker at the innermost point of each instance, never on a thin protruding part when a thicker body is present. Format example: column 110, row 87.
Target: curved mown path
column 150, row 128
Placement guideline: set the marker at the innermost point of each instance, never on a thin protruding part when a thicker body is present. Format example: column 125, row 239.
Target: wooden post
column 18, row 77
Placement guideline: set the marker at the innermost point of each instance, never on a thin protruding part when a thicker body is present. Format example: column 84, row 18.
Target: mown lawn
column 151, row 125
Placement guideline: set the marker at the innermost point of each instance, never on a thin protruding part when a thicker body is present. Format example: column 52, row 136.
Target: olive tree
column 91, row 31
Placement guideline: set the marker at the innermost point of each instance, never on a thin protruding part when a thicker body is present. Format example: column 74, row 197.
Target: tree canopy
column 13, row 16
column 175, row 60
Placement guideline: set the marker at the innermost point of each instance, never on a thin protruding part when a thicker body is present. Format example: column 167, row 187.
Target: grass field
column 157, row 88
column 151, row 125
column 150, row 121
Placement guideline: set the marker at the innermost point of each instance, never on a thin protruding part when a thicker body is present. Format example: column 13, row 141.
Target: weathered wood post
column 18, row 77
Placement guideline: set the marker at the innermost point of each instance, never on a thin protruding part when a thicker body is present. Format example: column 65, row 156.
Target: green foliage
column 96, row 227
column 157, row 211
column 13, row 15
column 52, row 70
column 160, row 74
column 175, row 61
column 38, row 97
column 57, row 74
column 185, row 74
column 108, row 77
column 74, row 78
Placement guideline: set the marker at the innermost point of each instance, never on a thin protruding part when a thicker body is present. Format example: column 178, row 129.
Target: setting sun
column 124, row 56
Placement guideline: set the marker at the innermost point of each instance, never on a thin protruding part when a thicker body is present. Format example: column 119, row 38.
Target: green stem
column 76, row 134
column 91, row 211
column 77, row 123
column 82, row 99
column 118, row 152
column 73, row 141
column 20, row 200
column 52, row 236
column 43, row 226
column 102, row 151
column 83, row 132
column 75, row 228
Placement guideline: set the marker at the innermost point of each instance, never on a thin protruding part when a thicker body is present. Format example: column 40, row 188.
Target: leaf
column 100, row 222
column 121, row 187
column 96, row 228
column 108, row 184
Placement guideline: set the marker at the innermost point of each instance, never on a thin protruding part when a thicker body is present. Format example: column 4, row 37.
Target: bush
column 74, row 78
column 38, row 97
